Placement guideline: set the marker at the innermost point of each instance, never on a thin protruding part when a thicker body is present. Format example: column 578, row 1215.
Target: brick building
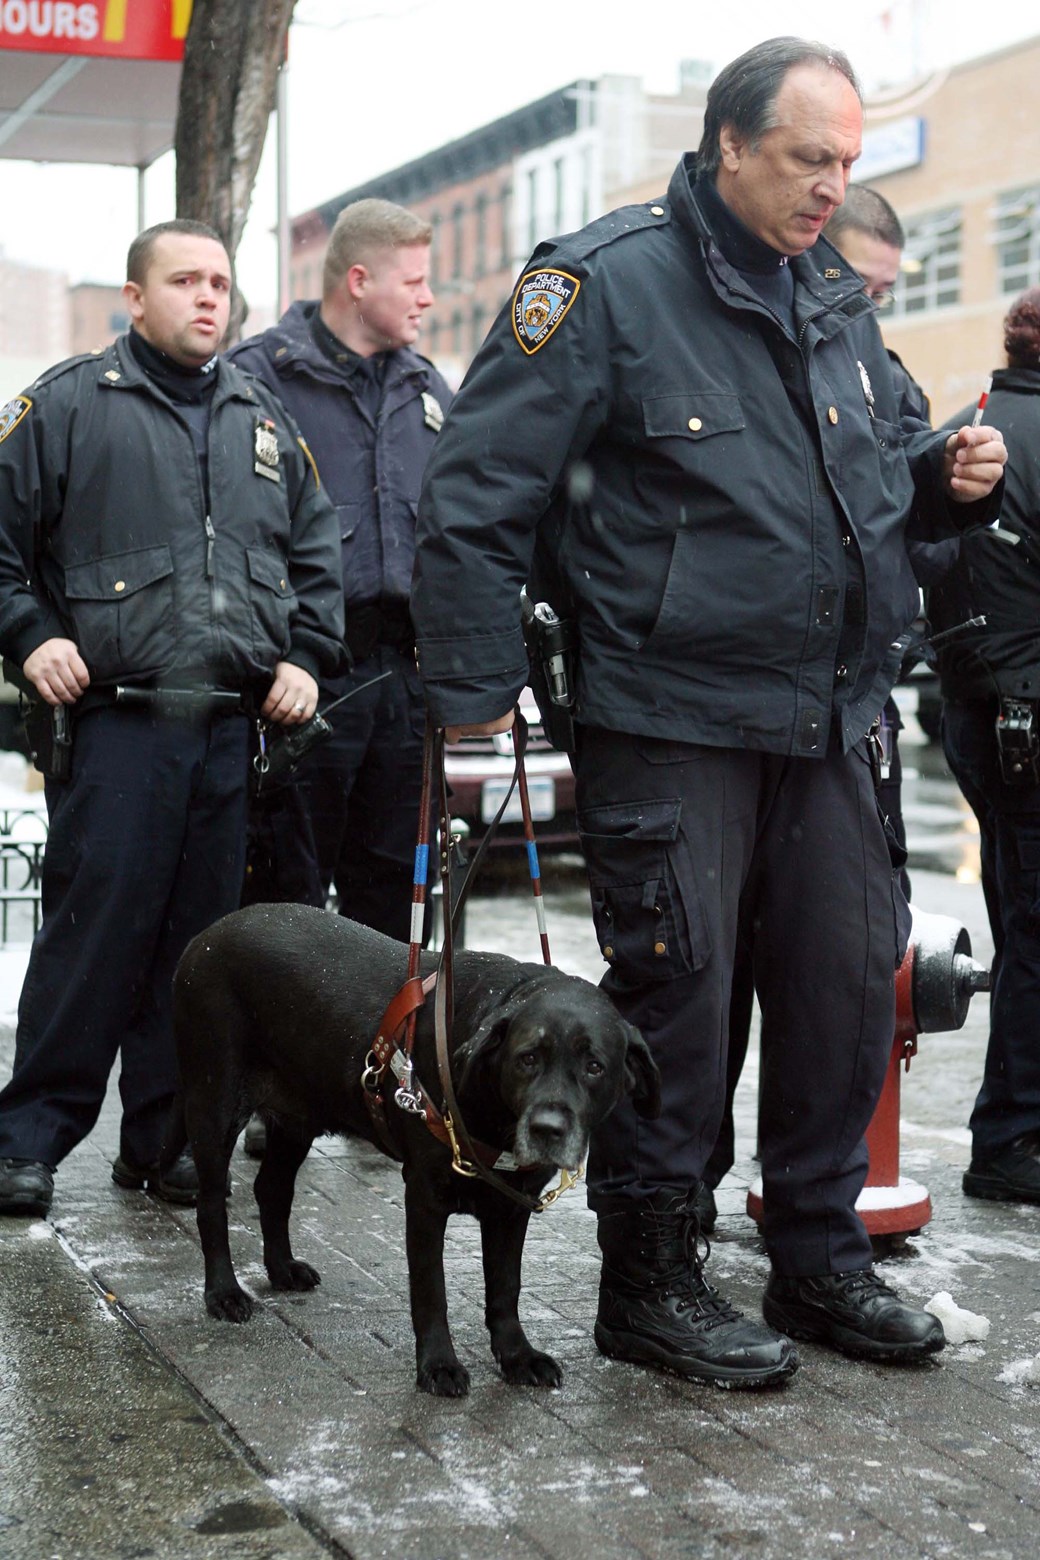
column 34, row 311
column 98, row 315
column 492, row 195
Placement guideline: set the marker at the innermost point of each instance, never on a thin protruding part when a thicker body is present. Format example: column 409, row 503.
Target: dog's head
column 559, row 1057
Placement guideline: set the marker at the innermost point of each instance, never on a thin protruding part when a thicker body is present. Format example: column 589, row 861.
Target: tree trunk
column 231, row 59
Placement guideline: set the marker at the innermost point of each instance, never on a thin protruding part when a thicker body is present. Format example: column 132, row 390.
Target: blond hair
column 364, row 227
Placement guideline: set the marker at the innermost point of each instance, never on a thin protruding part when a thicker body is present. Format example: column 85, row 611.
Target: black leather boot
column 656, row 1307
column 855, row 1313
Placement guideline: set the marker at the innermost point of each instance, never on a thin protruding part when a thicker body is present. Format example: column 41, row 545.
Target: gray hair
column 744, row 93
column 364, row 227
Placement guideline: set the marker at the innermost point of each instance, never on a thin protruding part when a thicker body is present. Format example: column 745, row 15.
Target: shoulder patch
column 540, row 302
column 12, row 414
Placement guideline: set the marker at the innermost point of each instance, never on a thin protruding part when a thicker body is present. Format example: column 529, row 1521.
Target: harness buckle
column 372, row 1075
column 458, row 1164
column 568, row 1180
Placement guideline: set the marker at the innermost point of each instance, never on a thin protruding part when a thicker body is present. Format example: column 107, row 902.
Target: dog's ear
column 642, row 1079
column 481, row 1045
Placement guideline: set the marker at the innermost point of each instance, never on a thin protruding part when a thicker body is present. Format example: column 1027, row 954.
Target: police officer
column 870, row 236
column 990, row 680
column 165, row 552
column 370, row 408
column 689, row 406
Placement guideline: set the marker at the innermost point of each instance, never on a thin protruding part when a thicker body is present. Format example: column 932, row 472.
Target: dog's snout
column 549, row 1121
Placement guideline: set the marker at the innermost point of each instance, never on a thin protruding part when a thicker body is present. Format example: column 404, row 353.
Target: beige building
column 34, row 311
column 98, row 315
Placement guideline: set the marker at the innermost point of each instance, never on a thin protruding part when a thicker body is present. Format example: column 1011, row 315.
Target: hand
column 57, row 671
column 293, row 696
column 973, row 463
column 484, row 728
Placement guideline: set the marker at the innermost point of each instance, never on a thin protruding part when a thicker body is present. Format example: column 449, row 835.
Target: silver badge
column 266, row 451
column 433, row 416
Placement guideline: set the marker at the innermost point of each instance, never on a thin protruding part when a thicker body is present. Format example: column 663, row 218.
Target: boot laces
column 862, row 1281
column 685, row 1281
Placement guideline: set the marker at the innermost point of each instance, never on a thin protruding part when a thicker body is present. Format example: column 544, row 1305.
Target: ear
column 132, row 299
column 732, row 148
column 486, row 1039
column 642, row 1079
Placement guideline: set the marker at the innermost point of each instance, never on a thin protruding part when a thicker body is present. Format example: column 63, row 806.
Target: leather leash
column 398, row 1021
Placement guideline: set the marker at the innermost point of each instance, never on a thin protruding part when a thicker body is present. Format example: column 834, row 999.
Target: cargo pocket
column 272, row 601
column 648, row 914
column 122, row 612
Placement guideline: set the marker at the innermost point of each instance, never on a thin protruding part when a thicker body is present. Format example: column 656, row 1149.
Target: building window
column 558, row 196
column 1017, row 237
column 458, row 218
column 456, row 333
column 931, row 263
column 478, row 325
column 507, row 227
column 532, row 208
column 435, row 248
column 480, row 235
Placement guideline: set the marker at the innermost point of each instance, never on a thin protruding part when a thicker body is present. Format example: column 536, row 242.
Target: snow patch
column 1022, row 1372
column 960, row 1326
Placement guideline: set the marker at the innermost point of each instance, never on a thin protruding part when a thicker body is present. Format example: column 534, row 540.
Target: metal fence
column 23, row 835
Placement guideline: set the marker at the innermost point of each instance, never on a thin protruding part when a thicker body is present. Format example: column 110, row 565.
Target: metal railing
column 23, row 835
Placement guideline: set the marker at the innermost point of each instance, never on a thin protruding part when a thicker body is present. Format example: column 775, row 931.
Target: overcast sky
column 373, row 83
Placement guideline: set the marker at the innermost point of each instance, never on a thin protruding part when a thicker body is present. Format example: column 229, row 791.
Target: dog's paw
column 532, row 1370
column 443, row 1380
column 229, row 1305
column 294, row 1275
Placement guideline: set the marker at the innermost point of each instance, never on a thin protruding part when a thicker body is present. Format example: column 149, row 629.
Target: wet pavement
column 134, row 1425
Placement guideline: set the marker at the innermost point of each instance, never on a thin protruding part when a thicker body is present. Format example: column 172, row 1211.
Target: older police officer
column 161, row 527
column 689, row 408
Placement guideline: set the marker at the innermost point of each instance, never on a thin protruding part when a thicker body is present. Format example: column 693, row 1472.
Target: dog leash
column 395, row 1037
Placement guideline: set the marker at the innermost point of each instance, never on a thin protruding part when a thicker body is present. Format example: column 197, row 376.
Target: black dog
column 275, row 1010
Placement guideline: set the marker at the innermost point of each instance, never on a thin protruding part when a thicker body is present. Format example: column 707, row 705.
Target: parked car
column 479, row 770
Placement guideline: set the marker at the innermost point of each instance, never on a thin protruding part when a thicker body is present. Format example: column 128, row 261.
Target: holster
column 49, row 732
column 552, row 645
column 282, row 748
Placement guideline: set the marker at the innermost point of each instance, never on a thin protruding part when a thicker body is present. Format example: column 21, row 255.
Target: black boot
column 656, row 1308
column 854, row 1312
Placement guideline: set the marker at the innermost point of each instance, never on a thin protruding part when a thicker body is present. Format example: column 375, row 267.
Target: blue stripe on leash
column 532, row 859
column 422, row 862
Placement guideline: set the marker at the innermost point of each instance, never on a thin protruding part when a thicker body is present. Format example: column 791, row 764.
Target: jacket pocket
column 694, row 415
column 122, row 611
column 648, row 915
column 272, row 603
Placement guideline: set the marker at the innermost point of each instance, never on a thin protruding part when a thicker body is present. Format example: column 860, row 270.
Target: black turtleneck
column 365, row 373
column 191, row 388
column 762, row 266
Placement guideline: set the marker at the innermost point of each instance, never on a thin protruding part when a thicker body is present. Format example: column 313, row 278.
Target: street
column 134, row 1425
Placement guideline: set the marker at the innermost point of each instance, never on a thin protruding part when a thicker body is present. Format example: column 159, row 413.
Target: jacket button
column 608, row 951
column 695, row 425
column 832, row 414
column 120, row 585
column 281, row 584
column 842, row 671
column 660, row 947
column 657, row 211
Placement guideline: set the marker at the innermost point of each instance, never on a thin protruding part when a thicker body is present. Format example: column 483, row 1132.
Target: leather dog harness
column 392, row 1047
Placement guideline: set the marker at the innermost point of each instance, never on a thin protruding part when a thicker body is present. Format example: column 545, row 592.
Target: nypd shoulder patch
column 12, row 414
column 541, row 300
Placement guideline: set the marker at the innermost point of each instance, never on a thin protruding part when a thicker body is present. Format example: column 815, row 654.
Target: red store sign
column 117, row 29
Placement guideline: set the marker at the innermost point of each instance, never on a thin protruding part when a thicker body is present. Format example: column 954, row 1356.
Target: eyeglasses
column 882, row 300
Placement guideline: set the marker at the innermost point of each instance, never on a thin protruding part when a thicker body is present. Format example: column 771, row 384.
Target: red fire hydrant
column 934, row 985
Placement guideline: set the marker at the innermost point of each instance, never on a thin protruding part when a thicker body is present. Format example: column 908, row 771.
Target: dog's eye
column 527, row 1060
column 593, row 1067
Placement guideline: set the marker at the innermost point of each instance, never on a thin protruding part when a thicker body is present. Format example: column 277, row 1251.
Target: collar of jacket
column 1024, row 381
column 292, row 348
column 118, row 369
column 827, row 289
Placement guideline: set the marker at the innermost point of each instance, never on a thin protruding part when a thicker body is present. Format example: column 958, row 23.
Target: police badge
column 12, row 414
column 266, row 451
column 542, row 299
column 433, row 415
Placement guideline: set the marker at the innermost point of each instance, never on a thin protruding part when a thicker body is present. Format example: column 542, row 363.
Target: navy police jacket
column 627, row 412
column 371, row 468
column 993, row 576
column 106, row 538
